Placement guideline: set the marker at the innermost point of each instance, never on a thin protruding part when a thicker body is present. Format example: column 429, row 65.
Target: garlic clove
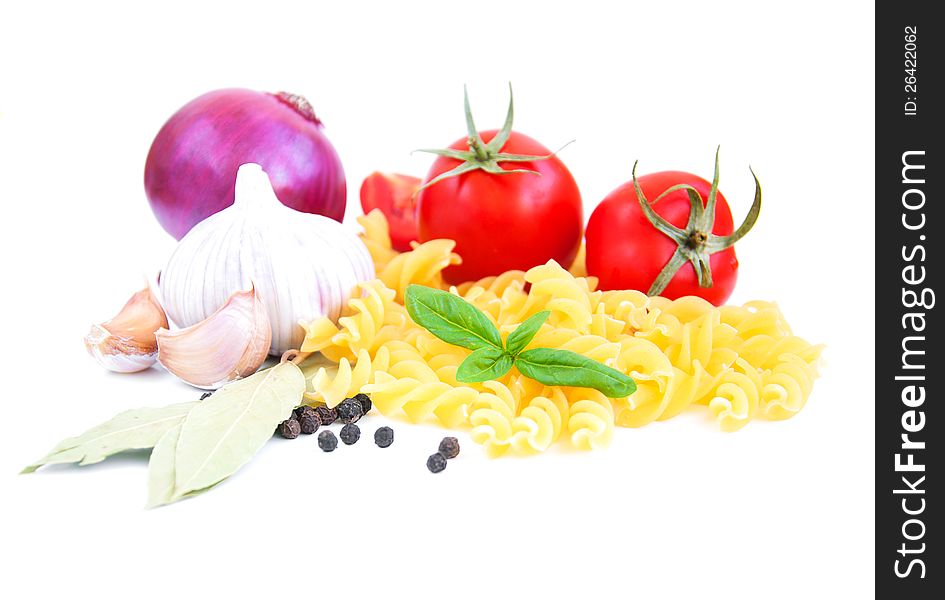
column 229, row 344
column 126, row 343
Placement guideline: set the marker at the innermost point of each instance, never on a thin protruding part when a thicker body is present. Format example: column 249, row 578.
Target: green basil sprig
column 458, row 322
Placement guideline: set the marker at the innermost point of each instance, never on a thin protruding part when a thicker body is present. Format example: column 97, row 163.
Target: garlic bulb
column 126, row 343
column 229, row 344
column 303, row 266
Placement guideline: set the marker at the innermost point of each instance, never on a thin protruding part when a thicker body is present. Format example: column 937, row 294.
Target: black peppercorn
column 290, row 429
column 349, row 411
column 436, row 462
column 350, row 434
column 365, row 401
column 327, row 441
column 384, row 437
column 303, row 411
column 326, row 415
column 309, row 423
column 449, row 447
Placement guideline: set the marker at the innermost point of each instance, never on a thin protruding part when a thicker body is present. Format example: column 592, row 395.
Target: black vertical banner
column 910, row 232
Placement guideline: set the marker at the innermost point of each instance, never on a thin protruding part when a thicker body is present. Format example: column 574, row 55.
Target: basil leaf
column 451, row 318
column 563, row 367
column 525, row 332
column 484, row 364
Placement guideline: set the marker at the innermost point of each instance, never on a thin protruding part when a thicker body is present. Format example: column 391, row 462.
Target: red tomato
column 625, row 250
column 394, row 194
column 503, row 222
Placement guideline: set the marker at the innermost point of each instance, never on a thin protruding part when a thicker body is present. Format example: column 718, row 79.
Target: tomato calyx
column 695, row 242
column 480, row 154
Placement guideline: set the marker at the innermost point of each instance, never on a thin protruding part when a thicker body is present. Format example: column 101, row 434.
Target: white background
column 675, row 509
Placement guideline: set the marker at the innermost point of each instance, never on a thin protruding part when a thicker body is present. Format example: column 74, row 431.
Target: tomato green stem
column 476, row 145
column 695, row 243
column 480, row 154
column 669, row 271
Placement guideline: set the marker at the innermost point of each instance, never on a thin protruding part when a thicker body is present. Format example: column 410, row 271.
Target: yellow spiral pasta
column 735, row 363
column 591, row 346
column 735, row 400
column 444, row 359
column 653, row 372
column 419, row 400
column 495, row 285
column 569, row 298
column 422, row 265
column 376, row 237
column 591, row 420
column 540, row 422
column 491, row 416
column 343, row 382
column 362, row 322
column 786, row 387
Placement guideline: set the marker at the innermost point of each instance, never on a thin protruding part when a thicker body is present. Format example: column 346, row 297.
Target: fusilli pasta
column 739, row 362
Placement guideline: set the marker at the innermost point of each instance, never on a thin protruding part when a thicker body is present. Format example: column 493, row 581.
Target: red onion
column 191, row 168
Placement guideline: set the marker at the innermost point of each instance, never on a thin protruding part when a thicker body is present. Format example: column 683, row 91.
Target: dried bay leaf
column 130, row 430
column 223, row 432
column 161, row 468
column 190, row 456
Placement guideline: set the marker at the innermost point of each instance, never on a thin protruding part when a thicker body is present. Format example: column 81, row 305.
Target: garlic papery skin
column 126, row 343
column 229, row 344
column 304, row 266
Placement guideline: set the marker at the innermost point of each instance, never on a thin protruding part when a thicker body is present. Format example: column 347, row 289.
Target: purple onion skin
column 191, row 169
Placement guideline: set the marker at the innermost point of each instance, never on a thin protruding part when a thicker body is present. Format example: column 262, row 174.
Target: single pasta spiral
column 333, row 387
column 591, row 420
column 423, row 265
column 363, row 322
column 735, row 400
column 540, row 422
column 567, row 297
column 491, row 416
column 376, row 237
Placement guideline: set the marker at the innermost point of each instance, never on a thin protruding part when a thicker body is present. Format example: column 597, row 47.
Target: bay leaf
column 130, row 430
column 225, row 431
column 161, row 468
column 161, row 471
